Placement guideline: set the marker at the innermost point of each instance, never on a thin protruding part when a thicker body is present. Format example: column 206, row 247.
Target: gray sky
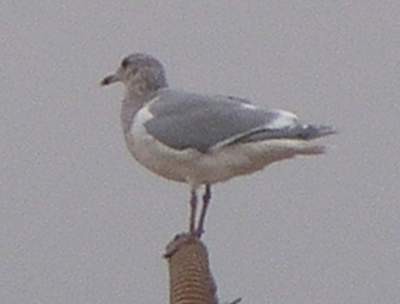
column 81, row 222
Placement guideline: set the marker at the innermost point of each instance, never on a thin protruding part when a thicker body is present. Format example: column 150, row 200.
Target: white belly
column 197, row 168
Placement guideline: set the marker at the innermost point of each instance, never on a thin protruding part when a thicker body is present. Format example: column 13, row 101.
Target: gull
column 200, row 139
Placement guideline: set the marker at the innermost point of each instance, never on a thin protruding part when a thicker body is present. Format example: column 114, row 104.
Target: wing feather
column 184, row 120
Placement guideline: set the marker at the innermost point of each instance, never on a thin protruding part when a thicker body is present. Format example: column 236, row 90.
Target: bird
column 202, row 139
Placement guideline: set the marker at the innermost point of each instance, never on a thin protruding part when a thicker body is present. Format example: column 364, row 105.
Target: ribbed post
column 191, row 281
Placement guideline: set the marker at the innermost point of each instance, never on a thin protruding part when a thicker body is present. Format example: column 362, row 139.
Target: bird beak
column 110, row 79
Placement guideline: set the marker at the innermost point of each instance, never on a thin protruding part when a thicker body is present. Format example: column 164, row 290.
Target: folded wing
column 184, row 120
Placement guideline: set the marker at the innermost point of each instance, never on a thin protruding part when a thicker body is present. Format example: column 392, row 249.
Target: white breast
column 154, row 155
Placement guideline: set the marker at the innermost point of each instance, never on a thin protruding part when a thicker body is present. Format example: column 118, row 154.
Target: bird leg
column 193, row 207
column 206, row 201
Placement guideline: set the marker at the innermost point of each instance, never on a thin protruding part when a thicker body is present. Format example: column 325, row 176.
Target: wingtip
column 324, row 130
column 309, row 132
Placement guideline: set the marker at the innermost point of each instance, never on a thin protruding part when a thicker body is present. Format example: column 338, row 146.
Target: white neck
column 128, row 110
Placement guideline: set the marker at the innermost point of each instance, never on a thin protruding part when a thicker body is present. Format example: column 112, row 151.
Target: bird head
column 141, row 74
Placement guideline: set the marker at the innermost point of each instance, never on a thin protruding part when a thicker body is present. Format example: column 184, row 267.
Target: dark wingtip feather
column 312, row 131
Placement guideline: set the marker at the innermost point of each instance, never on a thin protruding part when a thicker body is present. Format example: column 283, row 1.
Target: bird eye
column 125, row 63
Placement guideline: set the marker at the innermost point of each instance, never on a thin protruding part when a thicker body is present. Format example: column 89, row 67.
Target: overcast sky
column 81, row 222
